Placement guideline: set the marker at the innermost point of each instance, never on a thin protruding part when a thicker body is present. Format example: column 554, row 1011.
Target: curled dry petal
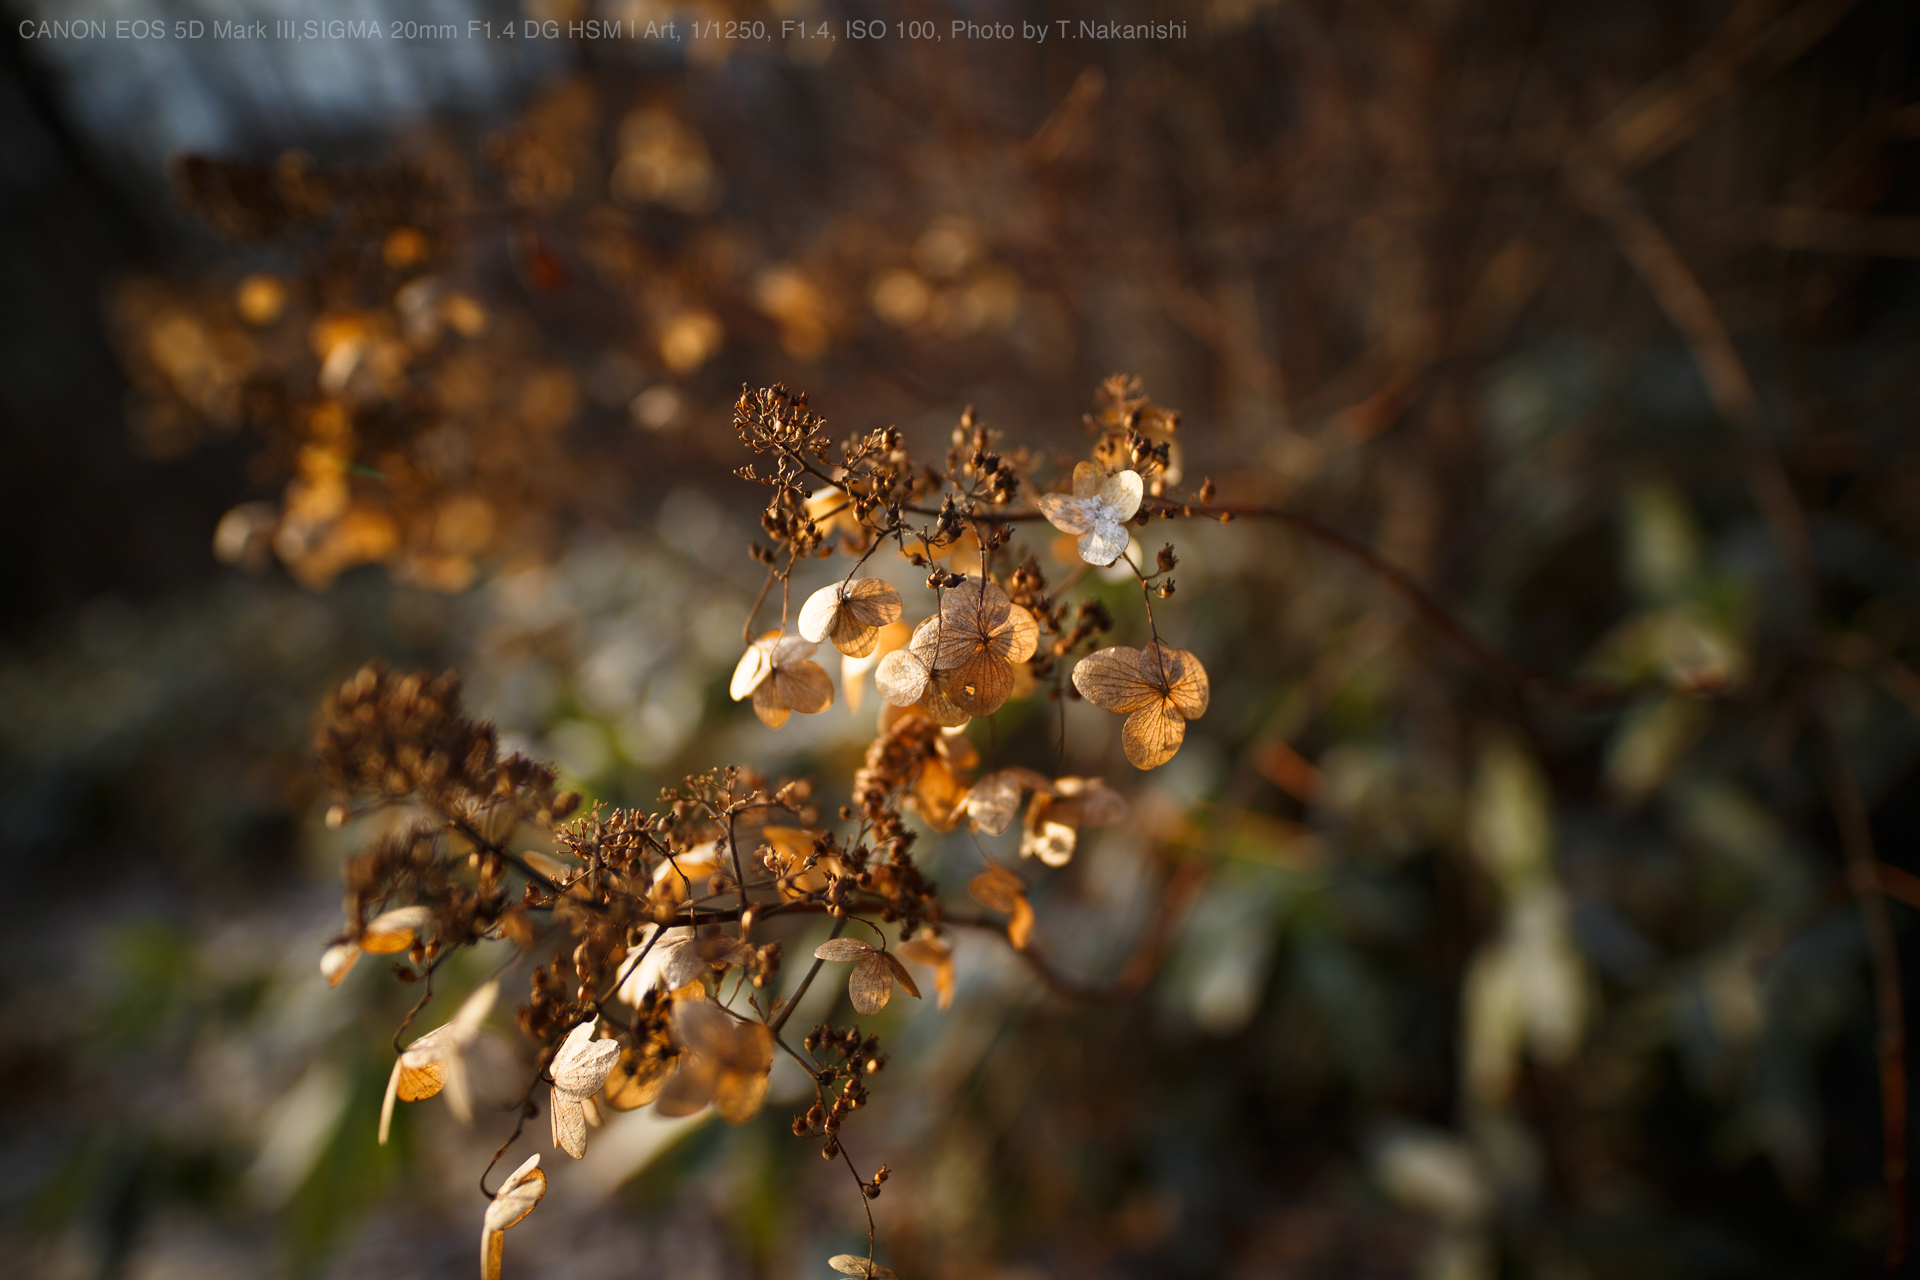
column 336, row 960
column 992, row 802
column 748, row 674
column 514, row 1201
column 850, row 616
column 569, row 1123
column 437, row 1061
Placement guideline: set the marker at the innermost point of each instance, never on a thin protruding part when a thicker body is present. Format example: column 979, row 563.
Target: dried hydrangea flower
column 962, row 659
column 850, row 615
column 776, row 672
column 870, row 985
column 437, row 1060
column 929, row 948
column 1059, row 809
column 514, row 1201
column 727, row 1064
column 852, row 1264
column 1157, row 688
column 1097, row 511
column 579, row 1070
column 1002, row 890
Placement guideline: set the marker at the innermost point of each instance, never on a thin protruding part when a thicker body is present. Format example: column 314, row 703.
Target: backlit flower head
column 1157, row 688
column 1059, row 809
column 1097, row 511
column 777, row 673
column 963, row 657
column 850, row 615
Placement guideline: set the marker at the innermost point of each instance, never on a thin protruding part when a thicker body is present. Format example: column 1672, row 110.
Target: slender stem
column 786, row 1010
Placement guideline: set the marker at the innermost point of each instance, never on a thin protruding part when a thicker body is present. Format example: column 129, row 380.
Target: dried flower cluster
column 654, row 989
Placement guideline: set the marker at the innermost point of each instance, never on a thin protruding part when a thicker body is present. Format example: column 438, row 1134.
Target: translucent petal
column 993, row 801
column 900, row 974
column 870, row 985
column 754, row 667
column 843, row 949
column 583, row 1063
column 901, row 678
column 1018, row 636
column 818, row 613
column 805, row 687
column 395, row 930
column 637, row 1080
column 1120, row 495
column 1103, row 544
column 768, row 706
column 981, row 685
column 1068, row 515
column 1153, row 734
column 569, row 1123
column 1111, row 680
column 998, row 888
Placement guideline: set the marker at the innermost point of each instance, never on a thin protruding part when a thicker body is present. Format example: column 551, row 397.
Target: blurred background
column 1599, row 319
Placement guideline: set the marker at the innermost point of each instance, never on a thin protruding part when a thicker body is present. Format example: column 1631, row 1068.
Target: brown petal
column 900, row 974
column 569, row 1123
column 874, row 601
column 1153, row 734
column 850, row 1264
column 738, row 1095
column 767, row 704
column 843, row 949
column 1089, row 802
column 1111, row 680
column 1018, row 636
column 336, row 960
column 637, row 1080
column 1088, row 477
column 870, row 985
column 901, row 678
column 691, row 1087
column 804, row 686
column 1120, row 495
column 940, row 708
column 981, row 685
column 704, row 1029
column 854, row 638
column 997, row 887
column 417, row 1082
column 514, row 1201
column 1191, row 692
column 582, row 1064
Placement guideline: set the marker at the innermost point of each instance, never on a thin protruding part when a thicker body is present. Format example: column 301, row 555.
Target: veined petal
column 1068, row 515
column 768, row 706
column 1111, row 680
column 1120, row 495
column 818, row 613
column 1105, row 543
column 1153, row 734
column 804, row 686
column 753, row 668
column 901, row 678
column 1018, row 636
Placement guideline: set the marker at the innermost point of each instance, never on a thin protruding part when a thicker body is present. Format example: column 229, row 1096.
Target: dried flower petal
column 583, row 1063
column 1158, row 688
column 929, row 948
column 1097, row 511
column 336, row 960
column 437, row 1061
column 515, row 1200
column 848, row 1264
column 850, row 616
column 396, row 930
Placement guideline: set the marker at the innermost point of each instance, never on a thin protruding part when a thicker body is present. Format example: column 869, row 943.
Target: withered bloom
column 1097, row 511
column 1058, row 811
column 991, row 802
column 1157, row 688
column 579, row 1070
column 437, row 1060
column 727, row 1064
column 850, row 616
column 965, row 654
column 514, row 1201
column 870, row 985
column 777, row 673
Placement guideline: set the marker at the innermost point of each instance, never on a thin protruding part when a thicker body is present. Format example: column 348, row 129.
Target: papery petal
column 997, row 888
column 753, row 668
column 1120, row 495
column 1153, row 734
column 870, row 985
column 875, row 602
column 1017, row 636
column 637, row 1080
column 981, row 685
column 768, row 706
column 993, row 801
column 1111, row 680
column 843, row 949
column 1088, row 479
column 738, row 1095
column 1105, row 543
column 583, row 1063
column 805, row 687
column 1068, row 515
column 900, row 974
column 818, row 613
column 336, row 960
column 569, row 1123
column 395, row 930
column 901, row 678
